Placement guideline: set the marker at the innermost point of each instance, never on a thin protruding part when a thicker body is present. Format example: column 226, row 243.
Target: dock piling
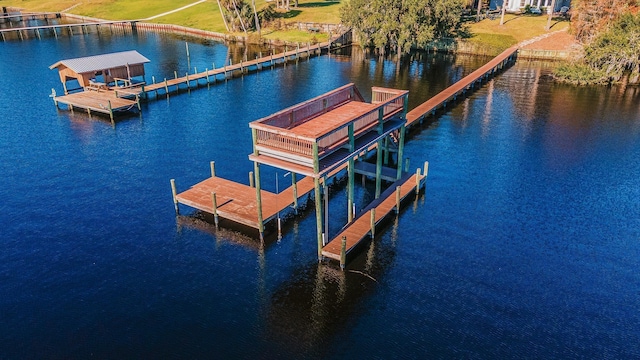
column 398, row 200
column 343, row 253
column 251, row 179
column 174, row 192
column 214, row 203
column 373, row 222
column 212, row 164
column 418, row 181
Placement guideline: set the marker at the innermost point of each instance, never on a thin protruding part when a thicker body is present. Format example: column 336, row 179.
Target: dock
column 461, row 87
column 364, row 226
column 208, row 76
column 106, row 102
column 237, row 202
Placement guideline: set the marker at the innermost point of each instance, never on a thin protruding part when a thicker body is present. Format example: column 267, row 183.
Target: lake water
column 525, row 245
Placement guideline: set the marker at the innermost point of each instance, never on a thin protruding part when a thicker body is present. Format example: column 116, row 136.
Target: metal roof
column 102, row 62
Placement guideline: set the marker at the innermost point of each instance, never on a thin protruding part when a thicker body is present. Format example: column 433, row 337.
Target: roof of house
column 102, row 62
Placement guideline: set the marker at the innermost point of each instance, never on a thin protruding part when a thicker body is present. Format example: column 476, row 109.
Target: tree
column 255, row 15
column 400, row 25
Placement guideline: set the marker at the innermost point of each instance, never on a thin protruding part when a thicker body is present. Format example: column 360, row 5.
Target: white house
column 517, row 5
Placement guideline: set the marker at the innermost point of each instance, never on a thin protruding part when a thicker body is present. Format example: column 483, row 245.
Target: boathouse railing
column 275, row 135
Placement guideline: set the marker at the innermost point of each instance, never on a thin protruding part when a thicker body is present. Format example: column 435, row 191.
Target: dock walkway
column 451, row 93
column 244, row 66
column 364, row 226
column 105, row 101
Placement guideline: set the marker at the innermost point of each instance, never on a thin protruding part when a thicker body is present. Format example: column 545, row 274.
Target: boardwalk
column 363, row 227
column 209, row 76
column 461, row 87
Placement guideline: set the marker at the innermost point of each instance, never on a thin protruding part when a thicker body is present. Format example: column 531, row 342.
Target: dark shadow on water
column 306, row 312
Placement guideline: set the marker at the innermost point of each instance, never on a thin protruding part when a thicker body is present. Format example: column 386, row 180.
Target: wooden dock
column 80, row 27
column 461, row 87
column 364, row 226
column 106, row 101
column 211, row 76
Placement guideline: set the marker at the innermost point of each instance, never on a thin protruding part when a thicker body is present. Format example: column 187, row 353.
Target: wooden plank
column 447, row 94
column 360, row 228
column 96, row 101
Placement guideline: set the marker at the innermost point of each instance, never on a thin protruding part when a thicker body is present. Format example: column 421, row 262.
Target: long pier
column 460, row 88
column 365, row 225
column 173, row 85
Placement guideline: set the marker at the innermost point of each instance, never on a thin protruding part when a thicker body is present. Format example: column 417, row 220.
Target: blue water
column 525, row 244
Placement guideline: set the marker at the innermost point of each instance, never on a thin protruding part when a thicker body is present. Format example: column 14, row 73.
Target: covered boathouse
column 101, row 70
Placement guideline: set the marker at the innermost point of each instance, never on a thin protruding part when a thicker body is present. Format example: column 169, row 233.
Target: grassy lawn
column 520, row 27
column 206, row 16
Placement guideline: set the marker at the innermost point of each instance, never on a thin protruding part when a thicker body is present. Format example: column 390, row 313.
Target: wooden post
column 316, row 182
column 379, row 170
column 212, row 164
column 153, row 79
column 175, row 73
column 426, row 169
column 214, row 203
column 373, row 223
column 207, row 72
column 350, row 176
column 53, row 96
column 166, row 87
column 418, row 177
column 175, row 196
column 398, row 199
column 294, row 184
column 343, row 253
column 188, row 85
column 256, row 169
column 251, row 179
column 386, row 151
column 400, row 152
column 406, row 164
column 110, row 110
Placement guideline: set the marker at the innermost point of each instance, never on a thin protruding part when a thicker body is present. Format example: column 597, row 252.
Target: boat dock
column 105, row 101
column 364, row 226
column 316, row 139
column 210, row 76
column 460, row 88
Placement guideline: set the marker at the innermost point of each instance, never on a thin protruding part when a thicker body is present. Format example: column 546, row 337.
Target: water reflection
column 319, row 301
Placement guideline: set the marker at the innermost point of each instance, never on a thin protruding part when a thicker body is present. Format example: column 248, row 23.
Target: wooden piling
column 174, row 192
column 426, row 169
column 417, row 181
column 251, row 179
column 373, row 222
column 294, row 184
column 214, row 203
column 397, row 199
column 212, row 164
column 110, row 110
column 343, row 253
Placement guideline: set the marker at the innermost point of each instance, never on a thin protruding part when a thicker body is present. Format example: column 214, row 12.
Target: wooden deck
column 237, row 202
column 461, row 87
column 105, row 102
column 360, row 228
column 189, row 80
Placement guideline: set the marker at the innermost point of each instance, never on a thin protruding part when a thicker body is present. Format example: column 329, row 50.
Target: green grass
column 205, row 16
column 519, row 27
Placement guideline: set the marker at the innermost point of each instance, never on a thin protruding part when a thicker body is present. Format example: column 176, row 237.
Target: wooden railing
column 275, row 136
column 297, row 114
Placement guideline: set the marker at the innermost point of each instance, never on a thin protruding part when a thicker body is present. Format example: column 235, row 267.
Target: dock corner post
column 259, row 200
column 318, row 204
column 251, row 180
column 418, row 181
column 214, row 204
column 212, row 164
column 138, row 102
column 110, row 110
column 174, row 192
column 398, row 199
column 400, row 151
column 343, row 253
column 426, row 169
column 294, row 184
column 373, row 223
column 53, row 96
